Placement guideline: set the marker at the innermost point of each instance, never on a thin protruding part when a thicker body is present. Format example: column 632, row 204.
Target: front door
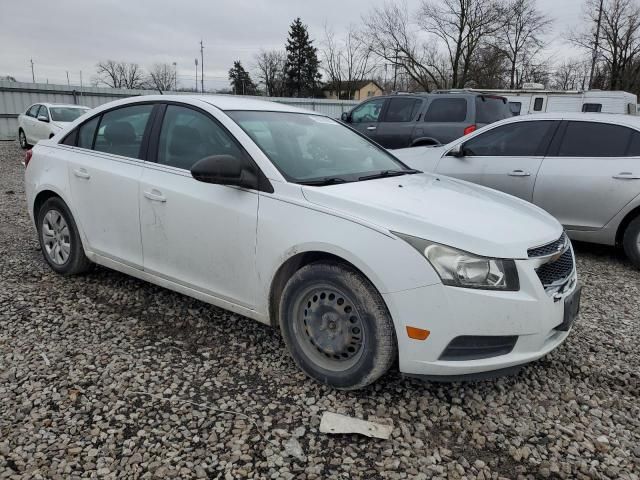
column 506, row 158
column 200, row 235
column 365, row 117
column 104, row 174
column 592, row 175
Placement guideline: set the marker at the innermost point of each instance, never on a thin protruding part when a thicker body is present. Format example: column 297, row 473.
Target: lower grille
column 554, row 273
column 471, row 347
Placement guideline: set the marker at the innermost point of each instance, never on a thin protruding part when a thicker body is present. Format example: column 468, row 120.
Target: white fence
column 16, row 97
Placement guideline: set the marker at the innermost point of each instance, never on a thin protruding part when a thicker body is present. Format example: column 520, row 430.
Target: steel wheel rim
column 329, row 327
column 23, row 139
column 56, row 237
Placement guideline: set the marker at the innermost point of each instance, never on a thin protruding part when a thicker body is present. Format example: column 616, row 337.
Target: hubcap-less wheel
column 56, row 237
column 23, row 139
column 329, row 327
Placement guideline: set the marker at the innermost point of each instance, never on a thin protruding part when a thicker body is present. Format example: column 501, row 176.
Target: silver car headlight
column 458, row 268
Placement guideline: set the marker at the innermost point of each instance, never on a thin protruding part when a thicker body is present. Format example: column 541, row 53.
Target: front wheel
column 631, row 241
column 22, row 138
column 336, row 326
column 60, row 239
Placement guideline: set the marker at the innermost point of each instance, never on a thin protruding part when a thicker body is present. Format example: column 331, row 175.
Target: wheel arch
column 41, row 197
column 425, row 141
column 628, row 218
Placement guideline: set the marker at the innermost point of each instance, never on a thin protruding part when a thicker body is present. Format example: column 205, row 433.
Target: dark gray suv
column 410, row 120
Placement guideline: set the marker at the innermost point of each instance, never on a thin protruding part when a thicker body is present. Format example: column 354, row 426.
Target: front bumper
column 531, row 314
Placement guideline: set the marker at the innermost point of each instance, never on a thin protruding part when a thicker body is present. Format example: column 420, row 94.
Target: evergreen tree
column 302, row 68
column 241, row 80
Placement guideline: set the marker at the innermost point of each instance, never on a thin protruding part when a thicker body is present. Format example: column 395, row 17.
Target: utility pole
column 596, row 44
column 196, row 75
column 201, row 66
column 33, row 75
column 80, row 82
column 175, row 76
column 68, row 83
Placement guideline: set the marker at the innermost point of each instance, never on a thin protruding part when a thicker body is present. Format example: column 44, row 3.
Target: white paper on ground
column 336, row 423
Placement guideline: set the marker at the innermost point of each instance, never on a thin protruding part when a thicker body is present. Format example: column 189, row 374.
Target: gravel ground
column 105, row 376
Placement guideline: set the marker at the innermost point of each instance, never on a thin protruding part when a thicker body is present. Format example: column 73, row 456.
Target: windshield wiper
column 389, row 173
column 324, row 181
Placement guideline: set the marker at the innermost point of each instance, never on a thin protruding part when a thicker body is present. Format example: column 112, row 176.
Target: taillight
column 27, row 157
column 469, row 129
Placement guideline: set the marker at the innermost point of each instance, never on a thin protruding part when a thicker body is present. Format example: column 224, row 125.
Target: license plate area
column 571, row 309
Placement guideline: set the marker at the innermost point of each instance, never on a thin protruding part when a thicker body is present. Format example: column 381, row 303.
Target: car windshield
column 66, row 114
column 315, row 149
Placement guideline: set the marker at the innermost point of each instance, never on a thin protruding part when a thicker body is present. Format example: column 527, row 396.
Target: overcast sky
column 73, row 35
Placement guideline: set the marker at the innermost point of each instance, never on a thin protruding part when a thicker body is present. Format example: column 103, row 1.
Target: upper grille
column 549, row 248
column 555, row 272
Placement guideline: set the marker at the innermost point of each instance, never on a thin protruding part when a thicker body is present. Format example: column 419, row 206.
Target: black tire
column 631, row 241
column 367, row 345
column 75, row 261
column 22, row 139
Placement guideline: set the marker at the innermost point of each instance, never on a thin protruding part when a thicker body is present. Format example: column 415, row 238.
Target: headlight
column 463, row 269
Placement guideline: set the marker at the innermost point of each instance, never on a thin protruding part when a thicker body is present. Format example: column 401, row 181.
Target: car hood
column 443, row 210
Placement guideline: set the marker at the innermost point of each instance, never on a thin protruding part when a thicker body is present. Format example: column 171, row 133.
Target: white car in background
column 295, row 220
column 43, row 120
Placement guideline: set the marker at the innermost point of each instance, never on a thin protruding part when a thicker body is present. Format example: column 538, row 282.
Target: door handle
column 155, row 196
column 371, row 128
column 626, row 176
column 519, row 173
column 82, row 173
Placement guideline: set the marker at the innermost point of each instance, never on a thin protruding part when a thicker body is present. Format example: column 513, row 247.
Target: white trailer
column 539, row 100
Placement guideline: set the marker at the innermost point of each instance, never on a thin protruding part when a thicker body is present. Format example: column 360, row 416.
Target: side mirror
column 224, row 170
column 42, row 118
column 346, row 117
column 457, row 151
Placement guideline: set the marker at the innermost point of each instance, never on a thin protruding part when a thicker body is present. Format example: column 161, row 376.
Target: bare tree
column 161, row 77
column 463, row 26
column 619, row 45
column 346, row 61
column 391, row 36
column 131, row 75
column 270, row 66
column 570, row 75
column 520, row 38
column 108, row 73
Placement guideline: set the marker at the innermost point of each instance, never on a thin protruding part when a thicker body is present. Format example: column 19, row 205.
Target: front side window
column 447, row 110
column 367, row 112
column 43, row 112
column 33, row 110
column 188, row 136
column 66, row 114
column 521, row 139
column 593, row 139
column 401, row 109
column 121, row 130
column 308, row 147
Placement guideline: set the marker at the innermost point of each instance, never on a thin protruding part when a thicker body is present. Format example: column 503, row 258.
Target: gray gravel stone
column 137, row 378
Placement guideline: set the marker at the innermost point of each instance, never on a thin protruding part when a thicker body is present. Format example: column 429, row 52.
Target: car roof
column 66, row 105
column 617, row 118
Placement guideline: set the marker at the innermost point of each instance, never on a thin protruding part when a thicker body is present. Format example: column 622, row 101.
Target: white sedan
column 297, row 221
column 43, row 120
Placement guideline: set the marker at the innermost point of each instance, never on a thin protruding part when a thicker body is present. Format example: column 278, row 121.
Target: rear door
column 506, row 157
column 445, row 119
column 590, row 174
column 365, row 117
column 395, row 128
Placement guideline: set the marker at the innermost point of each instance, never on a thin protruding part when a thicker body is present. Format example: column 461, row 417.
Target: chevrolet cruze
column 295, row 220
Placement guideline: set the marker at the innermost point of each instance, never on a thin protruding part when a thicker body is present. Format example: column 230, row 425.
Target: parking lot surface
column 105, row 376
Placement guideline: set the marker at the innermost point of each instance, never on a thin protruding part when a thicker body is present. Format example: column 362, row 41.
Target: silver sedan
column 582, row 168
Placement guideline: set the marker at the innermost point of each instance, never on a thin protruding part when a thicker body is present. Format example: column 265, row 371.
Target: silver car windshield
column 316, row 149
column 66, row 114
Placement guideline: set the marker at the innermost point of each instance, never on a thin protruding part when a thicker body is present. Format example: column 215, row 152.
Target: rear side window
column 592, row 107
column 593, row 139
column 634, row 146
column 401, row 109
column 188, row 136
column 521, row 139
column 491, row 109
column 447, row 110
column 86, row 132
column 32, row 112
column 121, row 130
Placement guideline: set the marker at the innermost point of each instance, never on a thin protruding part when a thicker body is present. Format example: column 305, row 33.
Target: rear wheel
column 59, row 238
column 631, row 241
column 22, row 138
column 336, row 326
